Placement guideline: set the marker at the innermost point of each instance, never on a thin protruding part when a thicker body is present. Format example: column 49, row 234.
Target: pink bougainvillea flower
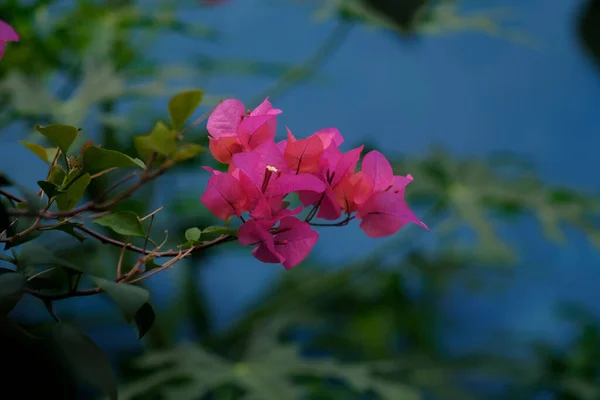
column 385, row 213
column 225, row 196
column 233, row 130
column 7, row 34
column 270, row 184
column 336, row 172
column 288, row 244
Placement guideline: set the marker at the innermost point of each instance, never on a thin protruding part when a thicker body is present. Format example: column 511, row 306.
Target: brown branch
column 11, row 196
column 170, row 253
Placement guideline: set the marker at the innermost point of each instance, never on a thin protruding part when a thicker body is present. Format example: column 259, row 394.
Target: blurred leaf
column 36, row 149
column 34, row 254
column 123, row 222
column 161, row 141
column 73, row 194
column 96, row 159
column 85, row 359
column 12, row 288
column 133, row 302
column 219, row 230
column 62, row 136
column 588, row 29
column 183, row 105
column 187, row 151
column 193, row 234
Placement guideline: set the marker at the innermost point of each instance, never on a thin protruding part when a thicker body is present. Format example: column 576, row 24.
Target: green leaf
column 8, row 259
column 96, row 159
column 151, row 264
column 183, row 105
column 68, row 228
column 36, row 149
column 161, row 141
column 12, row 287
column 34, row 254
column 66, row 201
column 133, row 302
column 187, row 151
column 4, row 181
column 62, row 136
column 144, row 319
column 85, row 359
column 5, row 220
column 219, row 230
column 49, row 188
column 57, row 175
column 193, row 234
column 122, row 222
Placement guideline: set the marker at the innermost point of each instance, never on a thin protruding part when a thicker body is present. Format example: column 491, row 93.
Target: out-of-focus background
column 493, row 107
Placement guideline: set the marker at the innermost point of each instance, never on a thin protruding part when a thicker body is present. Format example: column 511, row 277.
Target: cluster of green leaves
column 42, row 273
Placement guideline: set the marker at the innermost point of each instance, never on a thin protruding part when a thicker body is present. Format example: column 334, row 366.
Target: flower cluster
column 7, row 34
column 262, row 173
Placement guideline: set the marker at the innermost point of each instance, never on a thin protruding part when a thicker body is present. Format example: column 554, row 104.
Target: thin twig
column 121, row 258
column 153, row 213
column 11, row 196
column 106, row 171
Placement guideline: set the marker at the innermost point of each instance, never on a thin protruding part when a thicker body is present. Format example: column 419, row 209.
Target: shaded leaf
column 5, row 220
column 34, row 254
column 85, row 359
column 151, row 264
column 62, row 136
column 12, row 287
column 144, row 319
column 49, row 188
column 193, row 234
column 122, row 222
column 183, row 105
column 97, row 159
column 36, row 149
column 73, row 194
column 588, row 29
column 133, row 302
column 4, row 181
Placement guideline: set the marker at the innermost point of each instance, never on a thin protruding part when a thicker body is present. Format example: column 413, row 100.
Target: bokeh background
column 493, row 107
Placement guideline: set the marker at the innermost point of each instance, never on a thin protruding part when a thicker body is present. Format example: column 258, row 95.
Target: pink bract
column 7, row 34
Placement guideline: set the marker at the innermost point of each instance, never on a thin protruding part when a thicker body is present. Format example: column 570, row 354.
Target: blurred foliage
column 588, row 29
column 370, row 330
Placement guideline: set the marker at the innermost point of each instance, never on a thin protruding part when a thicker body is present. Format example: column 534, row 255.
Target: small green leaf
column 187, row 151
column 161, row 140
column 144, row 319
column 57, row 175
column 62, row 136
column 66, row 201
column 183, row 105
column 132, row 300
column 122, row 222
column 151, row 264
column 68, row 228
column 219, row 230
column 85, row 359
column 193, row 234
column 12, row 287
column 49, row 188
column 36, row 149
column 96, row 159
